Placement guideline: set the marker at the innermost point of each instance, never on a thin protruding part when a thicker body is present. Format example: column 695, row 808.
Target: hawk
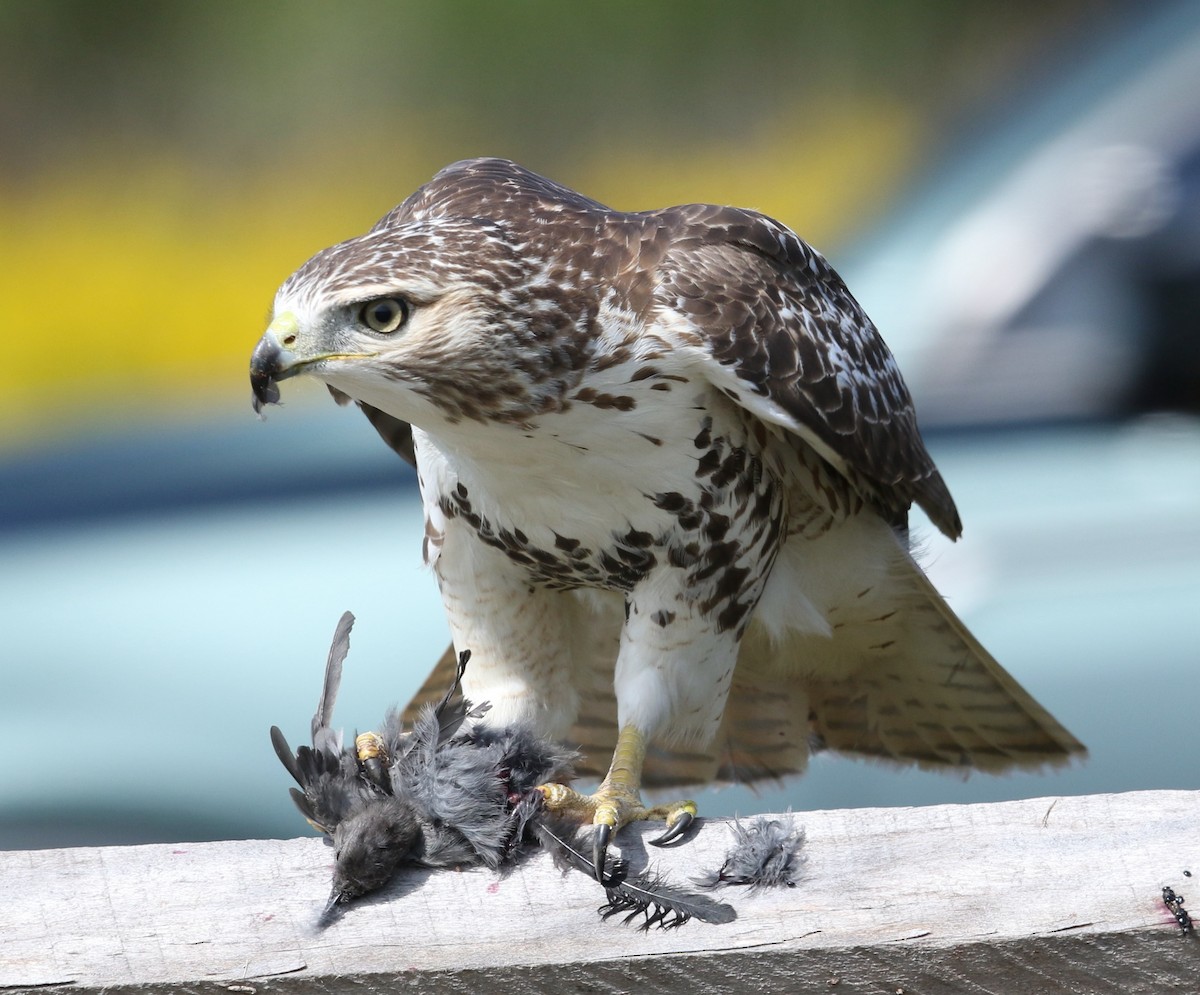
column 666, row 463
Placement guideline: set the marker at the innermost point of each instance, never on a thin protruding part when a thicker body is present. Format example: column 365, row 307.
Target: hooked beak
column 272, row 361
column 280, row 354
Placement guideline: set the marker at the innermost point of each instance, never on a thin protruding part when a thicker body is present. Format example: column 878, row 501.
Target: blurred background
column 1011, row 190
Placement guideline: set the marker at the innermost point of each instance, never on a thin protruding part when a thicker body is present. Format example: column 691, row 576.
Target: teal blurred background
column 1012, row 190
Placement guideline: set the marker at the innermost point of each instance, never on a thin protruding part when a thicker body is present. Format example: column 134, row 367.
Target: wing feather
column 778, row 328
column 780, row 332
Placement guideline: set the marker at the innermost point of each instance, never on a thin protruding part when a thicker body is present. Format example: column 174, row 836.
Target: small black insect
column 1174, row 904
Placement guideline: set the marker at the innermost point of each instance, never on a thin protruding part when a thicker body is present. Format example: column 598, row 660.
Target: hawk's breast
column 644, row 473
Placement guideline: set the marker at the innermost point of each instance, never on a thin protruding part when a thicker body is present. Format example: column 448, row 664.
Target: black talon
column 600, row 849
column 675, row 831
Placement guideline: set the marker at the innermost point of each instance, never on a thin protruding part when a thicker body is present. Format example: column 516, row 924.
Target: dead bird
column 447, row 793
column 439, row 795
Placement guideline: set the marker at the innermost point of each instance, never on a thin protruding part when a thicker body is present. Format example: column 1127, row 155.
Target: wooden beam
column 1050, row 894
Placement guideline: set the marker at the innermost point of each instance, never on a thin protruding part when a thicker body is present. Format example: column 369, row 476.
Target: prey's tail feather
column 338, row 650
column 432, row 692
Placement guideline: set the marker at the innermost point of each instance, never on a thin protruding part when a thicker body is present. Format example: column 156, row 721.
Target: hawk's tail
column 911, row 686
column 915, row 688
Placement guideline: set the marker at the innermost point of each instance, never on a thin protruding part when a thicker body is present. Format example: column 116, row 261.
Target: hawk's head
column 432, row 318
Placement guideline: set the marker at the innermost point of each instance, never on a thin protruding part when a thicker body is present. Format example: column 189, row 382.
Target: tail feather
column 907, row 684
column 947, row 703
column 431, row 693
column 322, row 734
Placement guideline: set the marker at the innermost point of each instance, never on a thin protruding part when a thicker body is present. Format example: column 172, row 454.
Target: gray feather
column 333, row 680
column 765, row 854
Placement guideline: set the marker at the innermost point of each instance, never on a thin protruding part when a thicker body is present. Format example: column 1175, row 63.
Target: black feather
column 662, row 904
column 284, row 752
column 648, row 894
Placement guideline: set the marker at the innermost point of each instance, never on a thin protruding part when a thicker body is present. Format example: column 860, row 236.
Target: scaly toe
column 678, row 823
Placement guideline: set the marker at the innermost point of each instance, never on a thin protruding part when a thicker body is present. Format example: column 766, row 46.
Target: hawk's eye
column 384, row 315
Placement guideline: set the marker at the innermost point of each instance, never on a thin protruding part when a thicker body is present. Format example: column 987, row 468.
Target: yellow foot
column 373, row 759
column 612, row 808
column 615, row 807
column 618, row 802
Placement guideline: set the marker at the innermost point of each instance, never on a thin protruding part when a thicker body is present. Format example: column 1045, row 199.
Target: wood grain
column 1061, row 895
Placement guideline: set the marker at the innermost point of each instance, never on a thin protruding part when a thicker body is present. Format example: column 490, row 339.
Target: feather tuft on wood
column 765, row 854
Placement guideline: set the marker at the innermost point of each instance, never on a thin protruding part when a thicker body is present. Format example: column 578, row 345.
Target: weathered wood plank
column 1040, row 895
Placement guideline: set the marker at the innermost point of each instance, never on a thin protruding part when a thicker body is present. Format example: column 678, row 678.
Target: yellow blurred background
column 166, row 165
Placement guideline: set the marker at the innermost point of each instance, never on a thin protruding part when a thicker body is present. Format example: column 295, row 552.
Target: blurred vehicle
column 166, row 597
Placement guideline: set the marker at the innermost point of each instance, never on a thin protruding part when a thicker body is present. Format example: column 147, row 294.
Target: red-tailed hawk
column 665, row 458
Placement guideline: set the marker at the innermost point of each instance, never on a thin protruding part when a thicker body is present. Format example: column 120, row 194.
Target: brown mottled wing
column 918, row 689
column 790, row 342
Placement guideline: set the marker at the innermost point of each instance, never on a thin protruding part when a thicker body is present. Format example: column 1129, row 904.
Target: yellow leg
column 618, row 801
